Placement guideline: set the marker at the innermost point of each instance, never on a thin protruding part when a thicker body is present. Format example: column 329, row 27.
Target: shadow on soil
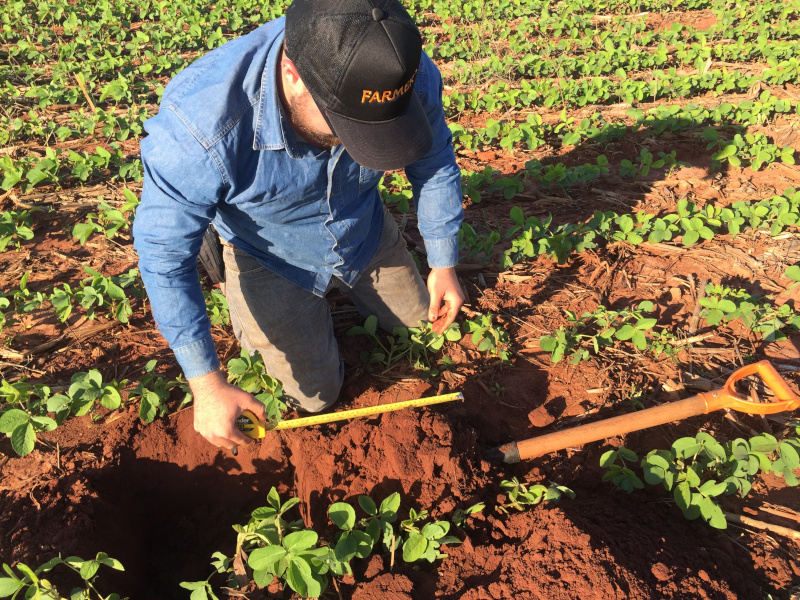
column 163, row 522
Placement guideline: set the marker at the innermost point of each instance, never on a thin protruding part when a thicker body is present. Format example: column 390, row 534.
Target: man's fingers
column 227, row 439
column 452, row 313
column 435, row 309
column 447, row 315
column 257, row 408
column 239, row 439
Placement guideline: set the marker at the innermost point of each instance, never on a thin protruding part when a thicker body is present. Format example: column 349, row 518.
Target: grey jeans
column 293, row 329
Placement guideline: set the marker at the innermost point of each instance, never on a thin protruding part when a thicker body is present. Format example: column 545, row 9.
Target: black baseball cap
column 359, row 59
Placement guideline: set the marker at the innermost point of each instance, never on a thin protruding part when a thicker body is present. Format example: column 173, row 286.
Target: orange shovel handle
column 725, row 397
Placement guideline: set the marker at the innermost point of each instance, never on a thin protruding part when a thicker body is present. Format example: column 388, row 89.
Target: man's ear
column 291, row 78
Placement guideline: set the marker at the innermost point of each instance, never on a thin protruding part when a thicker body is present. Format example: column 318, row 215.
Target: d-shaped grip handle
column 728, row 397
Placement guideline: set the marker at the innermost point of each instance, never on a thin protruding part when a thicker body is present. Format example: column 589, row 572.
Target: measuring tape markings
column 250, row 425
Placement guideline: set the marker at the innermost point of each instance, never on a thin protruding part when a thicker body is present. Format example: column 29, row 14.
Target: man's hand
column 446, row 298
column 217, row 405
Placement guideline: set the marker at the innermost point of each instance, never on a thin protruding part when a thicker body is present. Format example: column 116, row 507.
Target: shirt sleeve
column 435, row 178
column 182, row 184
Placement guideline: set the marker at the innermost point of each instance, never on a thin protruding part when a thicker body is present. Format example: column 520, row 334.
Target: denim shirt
column 221, row 149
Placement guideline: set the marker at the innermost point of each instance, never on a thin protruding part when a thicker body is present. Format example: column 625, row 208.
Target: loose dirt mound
column 161, row 500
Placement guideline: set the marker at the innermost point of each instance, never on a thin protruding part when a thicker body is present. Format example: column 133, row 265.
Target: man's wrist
column 204, row 382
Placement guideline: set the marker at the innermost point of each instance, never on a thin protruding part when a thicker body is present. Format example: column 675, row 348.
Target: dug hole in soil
column 161, row 500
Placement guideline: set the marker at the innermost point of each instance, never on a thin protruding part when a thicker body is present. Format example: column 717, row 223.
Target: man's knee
column 314, row 392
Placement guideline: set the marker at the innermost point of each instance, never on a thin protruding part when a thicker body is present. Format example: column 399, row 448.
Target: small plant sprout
column 217, row 308
column 489, row 337
column 202, row 590
column 250, row 374
column 350, row 542
column 29, row 583
column 23, row 414
column 85, row 390
column 415, row 344
column 152, row 391
column 620, row 475
column 424, row 542
column 15, row 227
column 599, row 328
column 520, row 495
column 460, row 516
column 378, row 523
column 699, row 469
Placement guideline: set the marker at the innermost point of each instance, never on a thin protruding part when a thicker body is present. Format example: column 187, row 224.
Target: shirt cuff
column 197, row 358
column 442, row 253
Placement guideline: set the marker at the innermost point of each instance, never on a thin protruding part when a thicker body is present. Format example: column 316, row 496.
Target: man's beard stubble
column 298, row 108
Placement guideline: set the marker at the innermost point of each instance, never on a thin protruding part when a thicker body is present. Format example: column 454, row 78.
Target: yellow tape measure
column 254, row 428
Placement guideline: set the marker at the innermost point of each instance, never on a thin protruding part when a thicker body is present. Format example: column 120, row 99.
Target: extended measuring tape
column 254, row 428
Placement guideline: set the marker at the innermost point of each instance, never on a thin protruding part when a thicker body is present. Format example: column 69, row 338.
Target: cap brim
column 386, row 145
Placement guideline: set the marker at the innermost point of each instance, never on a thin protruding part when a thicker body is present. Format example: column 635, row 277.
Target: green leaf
column 789, row 456
column 23, row 439
column 147, row 409
column 685, row 446
column 625, row 332
column 717, row 519
column 11, row 419
column 265, row 558
column 517, row 215
column 390, row 506
column 110, row 398
column 367, row 504
column 297, row 575
column 346, row 547
column 414, row 547
column 434, row 531
column 763, row 443
column 710, row 134
column 645, row 324
column 682, row 495
column 300, row 540
column 106, row 560
column 364, row 543
column 547, row 343
column 690, row 238
column 608, row 458
column 9, row 586
column 57, row 403
column 628, row 454
column 371, row 325
column 89, row 568
column 44, row 423
column 653, row 474
column 725, row 152
column 706, row 233
column 273, row 498
column 712, row 488
column 82, row 231
column 263, row 577
column 343, row 515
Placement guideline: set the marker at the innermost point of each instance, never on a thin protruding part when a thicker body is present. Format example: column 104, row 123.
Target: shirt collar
column 269, row 129
column 273, row 131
